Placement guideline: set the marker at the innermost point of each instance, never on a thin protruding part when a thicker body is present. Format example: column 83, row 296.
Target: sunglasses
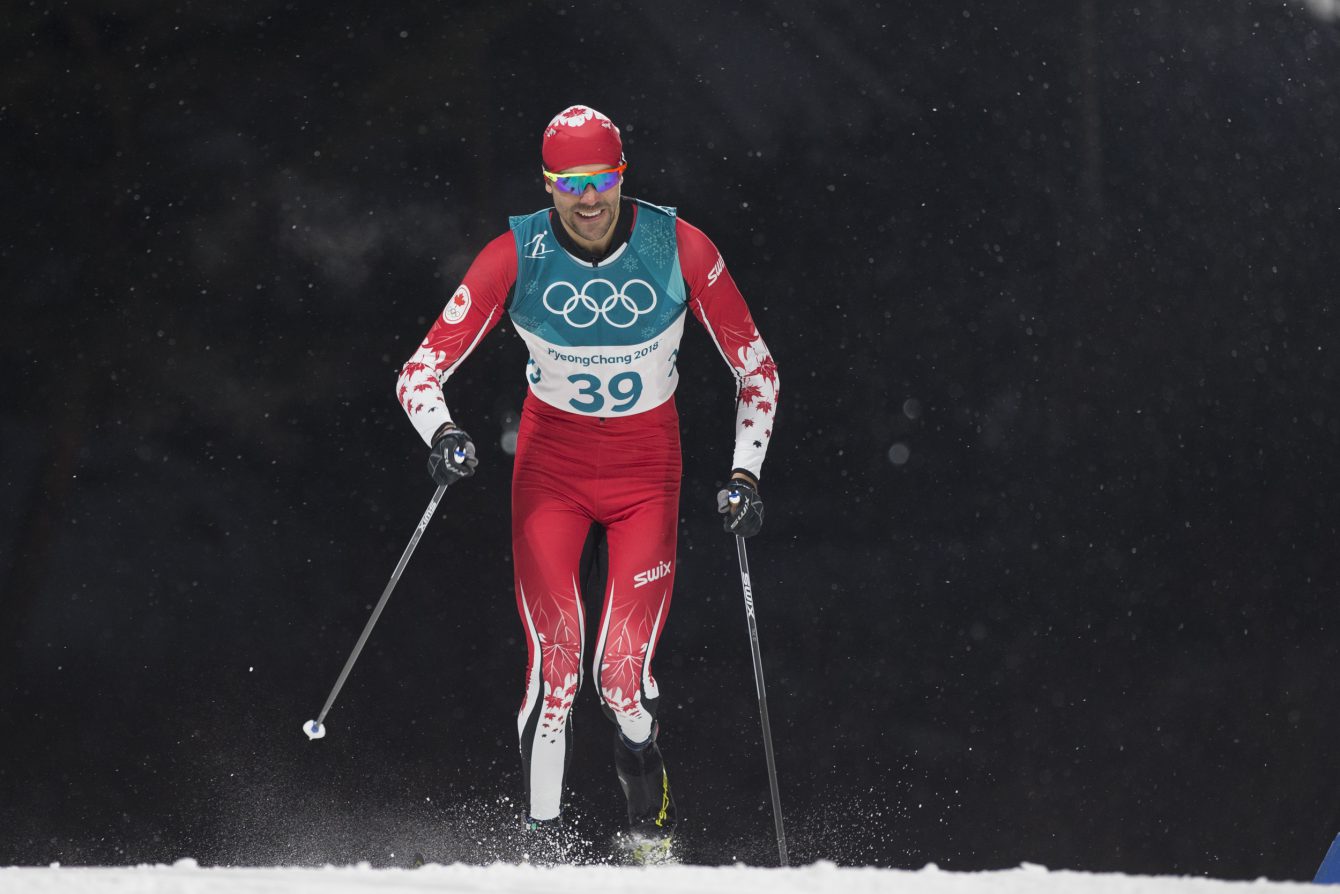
column 575, row 184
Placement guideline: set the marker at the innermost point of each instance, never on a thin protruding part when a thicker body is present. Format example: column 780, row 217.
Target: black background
column 1076, row 258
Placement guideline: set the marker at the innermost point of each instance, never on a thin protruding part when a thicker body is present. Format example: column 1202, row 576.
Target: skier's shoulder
column 698, row 254
column 500, row 252
column 493, row 271
column 642, row 205
column 686, row 234
column 521, row 221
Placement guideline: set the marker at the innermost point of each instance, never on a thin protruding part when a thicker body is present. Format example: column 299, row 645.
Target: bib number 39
column 624, row 389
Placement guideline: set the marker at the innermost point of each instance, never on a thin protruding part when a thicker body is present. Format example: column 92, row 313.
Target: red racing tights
column 572, row 472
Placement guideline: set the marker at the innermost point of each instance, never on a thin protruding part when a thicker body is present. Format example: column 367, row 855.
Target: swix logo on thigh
column 642, row 578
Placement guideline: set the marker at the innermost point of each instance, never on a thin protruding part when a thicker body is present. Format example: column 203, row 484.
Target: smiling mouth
column 591, row 215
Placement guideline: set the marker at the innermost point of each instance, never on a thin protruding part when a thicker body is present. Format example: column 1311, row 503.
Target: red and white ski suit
column 600, row 467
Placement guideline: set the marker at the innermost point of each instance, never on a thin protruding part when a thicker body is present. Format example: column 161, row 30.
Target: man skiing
column 597, row 286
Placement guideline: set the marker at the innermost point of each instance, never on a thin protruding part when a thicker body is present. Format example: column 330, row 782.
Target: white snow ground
column 185, row 877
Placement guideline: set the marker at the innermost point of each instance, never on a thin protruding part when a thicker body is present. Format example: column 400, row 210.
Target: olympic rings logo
column 620, row 308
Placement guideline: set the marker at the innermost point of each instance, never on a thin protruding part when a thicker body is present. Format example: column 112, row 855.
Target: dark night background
column 1049, row 567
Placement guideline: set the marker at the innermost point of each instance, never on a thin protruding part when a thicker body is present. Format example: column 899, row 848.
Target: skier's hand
column 742, row 507
column 452, row 457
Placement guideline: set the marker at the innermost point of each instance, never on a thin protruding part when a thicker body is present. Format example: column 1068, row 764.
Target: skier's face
column 589, row 218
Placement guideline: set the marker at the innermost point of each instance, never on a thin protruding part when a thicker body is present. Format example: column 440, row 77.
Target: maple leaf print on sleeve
column 471, row 311
column 735, row 340
column 717, row 303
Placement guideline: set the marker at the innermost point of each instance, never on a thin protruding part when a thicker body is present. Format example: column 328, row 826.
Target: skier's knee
column 637, row 747
column 636, row 724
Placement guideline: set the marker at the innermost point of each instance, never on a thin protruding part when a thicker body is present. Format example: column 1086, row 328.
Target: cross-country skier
column 597, row 286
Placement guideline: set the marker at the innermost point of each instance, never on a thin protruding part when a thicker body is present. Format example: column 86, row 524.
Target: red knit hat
column 579, row 135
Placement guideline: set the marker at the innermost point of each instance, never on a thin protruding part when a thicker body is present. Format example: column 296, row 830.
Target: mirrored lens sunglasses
column 575, row 184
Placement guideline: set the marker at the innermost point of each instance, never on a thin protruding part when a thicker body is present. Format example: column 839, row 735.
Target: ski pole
column 315, row 728
column 762, row 694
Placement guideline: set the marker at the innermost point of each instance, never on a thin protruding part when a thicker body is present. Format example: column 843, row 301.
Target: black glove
column 743, row 507
column 452, row 457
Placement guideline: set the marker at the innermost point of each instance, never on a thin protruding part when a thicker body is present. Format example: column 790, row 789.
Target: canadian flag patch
column 455, row 310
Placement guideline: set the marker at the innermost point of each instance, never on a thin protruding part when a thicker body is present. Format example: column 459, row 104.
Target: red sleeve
column 717, row 303
column 473, row 309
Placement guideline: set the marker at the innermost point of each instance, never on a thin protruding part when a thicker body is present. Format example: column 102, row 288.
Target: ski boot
column 651, row 808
